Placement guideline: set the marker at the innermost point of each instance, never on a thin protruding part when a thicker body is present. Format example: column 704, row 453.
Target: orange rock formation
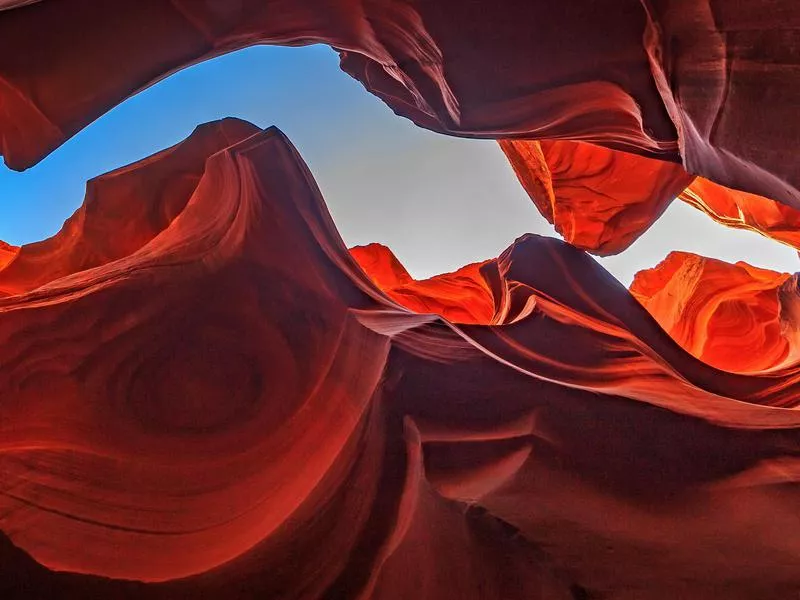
column 735, row 317
column 600, row 200
column 461, row 297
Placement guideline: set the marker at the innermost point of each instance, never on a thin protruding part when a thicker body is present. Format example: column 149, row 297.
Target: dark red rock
column 712, row 84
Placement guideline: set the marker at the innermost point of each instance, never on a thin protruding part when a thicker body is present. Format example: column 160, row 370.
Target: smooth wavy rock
column 735, row 317
column 122, row 212
column 680, row 80
column 223, row 404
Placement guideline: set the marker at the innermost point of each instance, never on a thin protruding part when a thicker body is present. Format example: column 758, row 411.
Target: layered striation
column 221, row 401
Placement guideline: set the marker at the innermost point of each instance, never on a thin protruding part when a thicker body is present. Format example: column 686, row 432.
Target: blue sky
column 438, row 202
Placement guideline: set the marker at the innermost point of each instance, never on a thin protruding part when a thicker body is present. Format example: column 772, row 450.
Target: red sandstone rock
column 7, row 254
column 679, row 80
column 222, row 404
column 203, row 395
column 745, row 211
column 123, row 210
column 381, row 265
column 602, row 200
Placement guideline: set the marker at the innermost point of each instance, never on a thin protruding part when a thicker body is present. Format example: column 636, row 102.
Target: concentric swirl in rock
column 169, row 415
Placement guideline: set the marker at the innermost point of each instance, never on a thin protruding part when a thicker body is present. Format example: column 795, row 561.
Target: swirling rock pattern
column 221, row 403
column 735, row 317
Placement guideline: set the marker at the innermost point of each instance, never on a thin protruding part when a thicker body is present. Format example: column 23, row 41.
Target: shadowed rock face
column 680, row 80
column 219, row 402
column 737, row 318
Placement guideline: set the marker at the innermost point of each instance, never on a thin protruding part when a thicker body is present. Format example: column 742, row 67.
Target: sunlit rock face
column 741, row 210
column 599, row 199
column 219, row 402
column 735, row 317
column 602, row 200
column 465, row 296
